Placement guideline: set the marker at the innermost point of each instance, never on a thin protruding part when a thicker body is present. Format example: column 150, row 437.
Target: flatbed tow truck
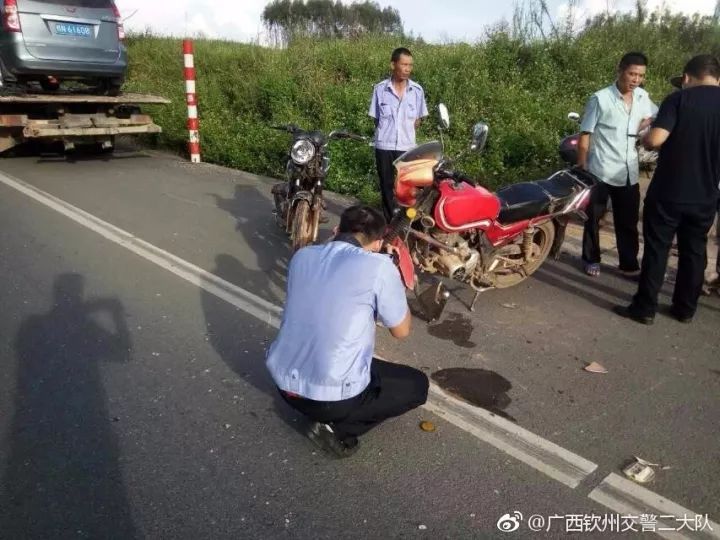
column 73, row 119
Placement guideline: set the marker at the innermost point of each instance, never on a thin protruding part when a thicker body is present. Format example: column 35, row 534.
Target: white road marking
column 630, row 499
column 541, row 454
column 562, row 465
column 240, row 298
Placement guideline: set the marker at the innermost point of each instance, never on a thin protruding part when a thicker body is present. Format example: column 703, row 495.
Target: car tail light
column 10, row 16
column 118, row 18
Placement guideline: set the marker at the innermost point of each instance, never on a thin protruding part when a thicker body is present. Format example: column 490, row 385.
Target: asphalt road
column 134, row 404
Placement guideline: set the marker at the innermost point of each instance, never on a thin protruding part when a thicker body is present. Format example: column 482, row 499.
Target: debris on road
column 511, row 305
column 427, row 426
column 594, row 367
column 638, row 472
column 642, row 471
column 641, row 461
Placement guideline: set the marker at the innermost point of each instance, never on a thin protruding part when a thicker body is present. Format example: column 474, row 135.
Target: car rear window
column 79, row 3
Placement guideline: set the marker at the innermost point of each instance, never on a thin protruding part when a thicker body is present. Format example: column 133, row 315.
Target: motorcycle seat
column 559, row 185
column 527, row 200
column 522, row 201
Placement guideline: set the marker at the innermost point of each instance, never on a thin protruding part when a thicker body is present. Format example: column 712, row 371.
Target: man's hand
column 392, row 251
column 582, row 150
column 645, row 124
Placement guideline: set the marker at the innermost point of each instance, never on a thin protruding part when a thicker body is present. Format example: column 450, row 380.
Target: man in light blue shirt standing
column 322, row 359
column 397, row 106
column 607, row 148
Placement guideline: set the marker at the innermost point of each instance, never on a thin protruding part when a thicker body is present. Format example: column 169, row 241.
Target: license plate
column 71, row 29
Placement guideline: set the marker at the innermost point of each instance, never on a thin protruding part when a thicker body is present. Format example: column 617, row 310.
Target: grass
column 522, row 90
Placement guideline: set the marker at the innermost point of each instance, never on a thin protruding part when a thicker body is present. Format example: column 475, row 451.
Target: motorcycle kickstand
column 478, row 292
column 472, row 304
column 432, row 301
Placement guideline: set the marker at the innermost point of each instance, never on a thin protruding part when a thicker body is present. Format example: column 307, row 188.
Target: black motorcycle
column 299, row 201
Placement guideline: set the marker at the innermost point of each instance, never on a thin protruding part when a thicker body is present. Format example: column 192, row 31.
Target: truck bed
column 74, row 118
column 122, row 99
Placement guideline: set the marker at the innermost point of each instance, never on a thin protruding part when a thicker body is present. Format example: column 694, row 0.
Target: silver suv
column 53, row 41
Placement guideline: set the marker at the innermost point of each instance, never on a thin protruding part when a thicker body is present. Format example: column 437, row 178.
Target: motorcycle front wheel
column 302, row 230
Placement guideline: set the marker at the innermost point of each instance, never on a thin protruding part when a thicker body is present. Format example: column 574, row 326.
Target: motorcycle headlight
column 302, row 151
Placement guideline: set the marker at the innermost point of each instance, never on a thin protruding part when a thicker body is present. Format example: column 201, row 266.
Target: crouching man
column 322, row 359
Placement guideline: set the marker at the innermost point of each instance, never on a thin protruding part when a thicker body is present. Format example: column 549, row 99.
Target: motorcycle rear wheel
column 302, row 225
column 542, row 244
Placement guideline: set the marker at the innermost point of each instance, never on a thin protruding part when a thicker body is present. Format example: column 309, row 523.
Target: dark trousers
column 626, row 212
column 394, row 389
column 386, row 172
column 661, row 222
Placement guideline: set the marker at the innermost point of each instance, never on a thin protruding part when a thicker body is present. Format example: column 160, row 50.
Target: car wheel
column 112, row 87
column 51, row 84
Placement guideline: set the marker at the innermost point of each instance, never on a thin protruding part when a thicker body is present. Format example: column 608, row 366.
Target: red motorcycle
column 451, row 226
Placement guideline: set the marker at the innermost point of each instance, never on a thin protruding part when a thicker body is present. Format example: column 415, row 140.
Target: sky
column 451, row 20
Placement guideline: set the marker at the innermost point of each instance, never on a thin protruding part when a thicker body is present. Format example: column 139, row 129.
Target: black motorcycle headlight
column 302, row 151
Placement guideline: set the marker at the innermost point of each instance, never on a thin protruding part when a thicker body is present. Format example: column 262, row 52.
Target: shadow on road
column 565, row 276
column 63, row 476
column 269, row 245
column 231, row 336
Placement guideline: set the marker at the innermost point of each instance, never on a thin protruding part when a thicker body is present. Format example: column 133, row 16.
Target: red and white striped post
column 193, row 123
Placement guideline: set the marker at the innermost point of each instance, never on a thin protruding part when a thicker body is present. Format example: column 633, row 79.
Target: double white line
column 614, row 492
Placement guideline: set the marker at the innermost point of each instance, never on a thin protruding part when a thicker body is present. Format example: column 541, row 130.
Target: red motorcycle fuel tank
column 461, row 207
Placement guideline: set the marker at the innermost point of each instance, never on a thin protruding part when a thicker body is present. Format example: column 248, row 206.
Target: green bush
column 523, row 90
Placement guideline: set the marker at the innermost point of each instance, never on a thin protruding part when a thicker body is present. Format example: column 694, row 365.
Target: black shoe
column 685, row 319
column 628, row 313
column 327, row 440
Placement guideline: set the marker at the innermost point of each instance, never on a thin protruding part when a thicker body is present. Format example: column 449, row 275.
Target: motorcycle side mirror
column 444, row 116
column 573, row 117
column 479, row 136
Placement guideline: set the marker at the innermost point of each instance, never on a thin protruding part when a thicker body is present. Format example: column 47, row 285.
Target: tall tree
column 322, row 18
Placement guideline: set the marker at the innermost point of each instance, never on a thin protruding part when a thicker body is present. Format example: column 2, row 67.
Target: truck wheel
column 111, row 87
column 50, row 85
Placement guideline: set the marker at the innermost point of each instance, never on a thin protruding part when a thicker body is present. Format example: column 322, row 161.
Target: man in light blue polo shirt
column 397, row 106
column 322, row 359
column 607, row 148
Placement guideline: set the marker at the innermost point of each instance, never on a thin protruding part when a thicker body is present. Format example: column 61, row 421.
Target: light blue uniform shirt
column 326, row 341
column 396, row 117
column 613, row 156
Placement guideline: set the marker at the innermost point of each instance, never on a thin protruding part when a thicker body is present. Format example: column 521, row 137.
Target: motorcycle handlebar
column 338, row 134
column 290, row 128
column 342, row 134
column 462, row 178
column 442, row 173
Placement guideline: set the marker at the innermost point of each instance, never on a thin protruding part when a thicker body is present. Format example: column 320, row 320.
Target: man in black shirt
column 683, row 195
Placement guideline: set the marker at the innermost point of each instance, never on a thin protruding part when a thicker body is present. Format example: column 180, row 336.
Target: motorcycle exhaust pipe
column 430, row 240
